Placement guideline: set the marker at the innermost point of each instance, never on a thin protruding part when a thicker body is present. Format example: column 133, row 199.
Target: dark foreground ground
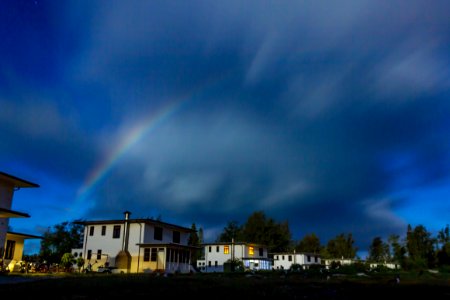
column 223, row 286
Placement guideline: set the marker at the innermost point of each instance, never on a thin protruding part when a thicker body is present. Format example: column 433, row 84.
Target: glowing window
column 226, row 249
column 251, row 251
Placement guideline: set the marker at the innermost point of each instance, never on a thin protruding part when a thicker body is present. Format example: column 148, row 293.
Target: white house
column 284, row 261
column 254, row 257
column 136, row 245
column 11, row 243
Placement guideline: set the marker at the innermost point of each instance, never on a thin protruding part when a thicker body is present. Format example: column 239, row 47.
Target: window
column 103, row 230
column 217, row 248
column 282, row 257
column 276, row 257
column 290, row 258
column 158, row 234
column 89, row 255
column 209, row 263
column 75, row 254
column 154, row 254
column 209, row 249
column 261, row 252
column 226, row 249
column 99, row 254
column 10, row 245
column 309, row 258
column 146, row 254
column 316, row 258
column 91, row 230
column 116, row 232
column 176, row 237
column 216, row 263
column 251, row 250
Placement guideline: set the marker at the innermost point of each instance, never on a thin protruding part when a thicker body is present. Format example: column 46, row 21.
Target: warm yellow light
column 226, row 249
column 251, row 250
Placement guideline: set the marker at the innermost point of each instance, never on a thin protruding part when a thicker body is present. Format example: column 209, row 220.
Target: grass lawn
column 226, row 286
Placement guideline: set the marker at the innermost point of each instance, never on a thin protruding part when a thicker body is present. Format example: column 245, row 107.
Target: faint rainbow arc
column 140, row 130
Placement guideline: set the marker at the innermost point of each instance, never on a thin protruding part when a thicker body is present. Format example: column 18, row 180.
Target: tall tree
column 420, row 246
column 262, row 230
column 193, row 236
column 443, row 254
column 60, row 239
column 342, row 246
column 309, row 243
column 194, row 240
column 397, row 249
column 378, row 250
column 232, row 231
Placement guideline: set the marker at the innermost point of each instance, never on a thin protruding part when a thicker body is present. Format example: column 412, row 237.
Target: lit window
column 251, row 251
column 226, row 249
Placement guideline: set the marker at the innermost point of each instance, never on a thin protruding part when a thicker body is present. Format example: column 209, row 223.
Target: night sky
column 333, row 115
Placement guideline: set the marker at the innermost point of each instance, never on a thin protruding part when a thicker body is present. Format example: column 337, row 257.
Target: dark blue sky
column 333, row 116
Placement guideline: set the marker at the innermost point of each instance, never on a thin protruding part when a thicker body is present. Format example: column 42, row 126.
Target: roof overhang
column 16, row 181
column 23, row 235
column 7, row 213
column 167, row 245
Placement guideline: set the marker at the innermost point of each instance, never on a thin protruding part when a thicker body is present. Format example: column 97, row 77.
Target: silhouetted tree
column 60, row 239
column 266, row 231
column 231, row 231
column 398, row 250
column 443, row 254
column 378, row 250
column 342, row 247
column 419, row 244
column 261, row 230
column 309, row 243
column 195, row 241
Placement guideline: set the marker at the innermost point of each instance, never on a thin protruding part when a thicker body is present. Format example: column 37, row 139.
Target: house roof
column 23, row 235
column 16, row 181
column 7, row 213
column 235, row 243
column 146, row 221
column 292, row 253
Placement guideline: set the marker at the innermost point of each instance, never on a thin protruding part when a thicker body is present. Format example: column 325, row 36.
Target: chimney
column 126, row 230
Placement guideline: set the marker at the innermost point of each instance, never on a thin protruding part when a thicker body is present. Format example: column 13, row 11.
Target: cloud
column 305, row 110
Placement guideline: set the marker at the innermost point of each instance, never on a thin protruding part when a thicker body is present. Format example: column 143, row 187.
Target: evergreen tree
column 194, row 240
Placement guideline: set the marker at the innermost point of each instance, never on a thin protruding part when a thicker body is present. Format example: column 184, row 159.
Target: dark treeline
column 419, row 249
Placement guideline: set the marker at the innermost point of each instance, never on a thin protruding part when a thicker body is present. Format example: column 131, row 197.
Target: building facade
column 136, row 245
column 11, row 243
column 215, row 255
column 284, row 261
